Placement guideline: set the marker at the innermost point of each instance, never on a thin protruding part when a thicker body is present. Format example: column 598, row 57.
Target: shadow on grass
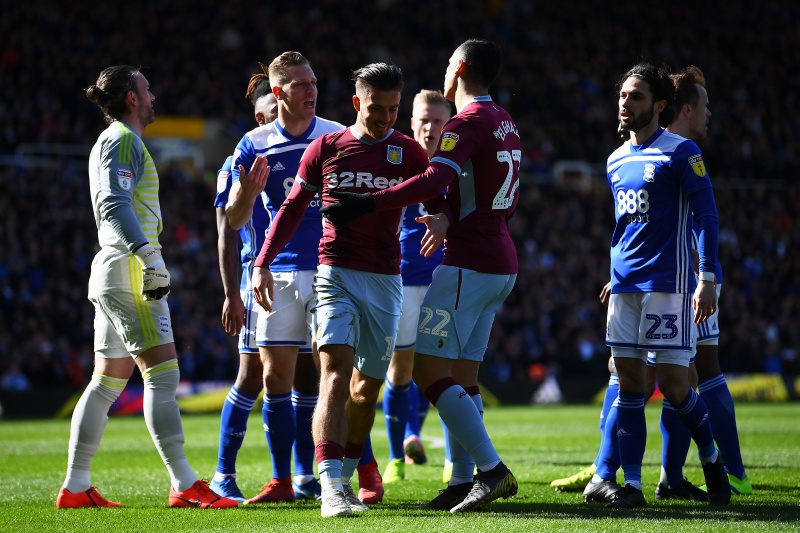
column 519, row 508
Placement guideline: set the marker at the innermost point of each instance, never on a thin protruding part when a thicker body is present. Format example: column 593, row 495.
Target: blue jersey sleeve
column 224, row 183
column 688, row 163
column 244, row 155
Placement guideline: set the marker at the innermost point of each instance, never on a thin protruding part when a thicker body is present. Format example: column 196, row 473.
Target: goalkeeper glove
column 350, row 207
column 155, row 278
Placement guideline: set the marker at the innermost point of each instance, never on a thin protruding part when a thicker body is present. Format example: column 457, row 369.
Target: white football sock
column 88, row 424
column 163, row 418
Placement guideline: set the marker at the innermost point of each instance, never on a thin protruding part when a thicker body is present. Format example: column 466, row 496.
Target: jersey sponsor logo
column 163, row 324
column 394, row 154
column 649, row 173
column 697, row 165
column 449, row 141
column 360, row 179
column 222, row 180
column 278, row 166
column 125, row 177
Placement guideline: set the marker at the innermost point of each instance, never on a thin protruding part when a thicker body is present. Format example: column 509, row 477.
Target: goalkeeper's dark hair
column 259, row 85
column 483, row 61
column 110, row 90
column 379, row 77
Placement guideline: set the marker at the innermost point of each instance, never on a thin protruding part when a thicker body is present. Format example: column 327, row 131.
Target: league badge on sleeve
column 449, row 141
column 697, row 165
column 124, row 177
column 394, row 155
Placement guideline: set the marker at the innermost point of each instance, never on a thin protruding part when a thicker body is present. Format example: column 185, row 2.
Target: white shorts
column 125, row 323
column 247, row 337
column 654, row 321
column 289, row 322
column 409, row 320
column 708, row 331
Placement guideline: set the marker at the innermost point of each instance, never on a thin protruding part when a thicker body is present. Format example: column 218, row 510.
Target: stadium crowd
column 558, row 84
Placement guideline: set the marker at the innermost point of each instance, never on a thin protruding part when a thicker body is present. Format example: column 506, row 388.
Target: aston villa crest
column 394, row 155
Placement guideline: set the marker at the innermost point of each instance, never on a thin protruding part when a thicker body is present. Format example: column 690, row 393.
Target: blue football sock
column 694, row 415
column 423, row 406
column 676, row 441
column 607, row 461
column 721, row 413
column 464, row 421
column 367, row 456
column 280, row 430
column 395, row 411
column 303, row 405
column 632, row 435
column 612, row 391
column 232, row 428
column 413, row 426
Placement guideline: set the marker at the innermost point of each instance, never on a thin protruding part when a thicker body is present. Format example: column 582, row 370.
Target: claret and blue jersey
column 656, row 187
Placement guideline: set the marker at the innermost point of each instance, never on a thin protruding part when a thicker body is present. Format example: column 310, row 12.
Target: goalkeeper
column 128, row 287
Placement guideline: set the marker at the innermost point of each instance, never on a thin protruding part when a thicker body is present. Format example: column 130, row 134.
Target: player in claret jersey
column 357, row 286
column 478, row 161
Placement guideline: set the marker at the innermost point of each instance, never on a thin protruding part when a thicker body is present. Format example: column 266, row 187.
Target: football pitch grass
column 538, row 443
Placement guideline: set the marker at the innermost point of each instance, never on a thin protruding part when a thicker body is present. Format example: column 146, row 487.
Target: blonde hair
column 431, row 97
column 278, row 69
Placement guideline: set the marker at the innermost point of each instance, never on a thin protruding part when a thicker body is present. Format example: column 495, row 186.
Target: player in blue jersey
column 478, row 163
column 690, row 120
column 658, row 181
column 404, row 405
column 128, row 287
column 282, row 333
column 239, row 315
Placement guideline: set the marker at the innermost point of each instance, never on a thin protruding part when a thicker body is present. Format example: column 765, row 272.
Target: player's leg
column 336, row 325
column 279, row 336
column 380, row 301
column 329, row 425
column 279, row 421
column 722, row 414
column 370, row 483
column 418, row 406
column 447, row 333
column 305, row 393
column 238, row 405
column 622, row 334
column 88, row 424
column 360, row 408
column 582, row 478
column 692, row 411
column 396, row 411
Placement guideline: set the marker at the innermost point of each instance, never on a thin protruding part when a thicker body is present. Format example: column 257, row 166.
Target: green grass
column 538, row 443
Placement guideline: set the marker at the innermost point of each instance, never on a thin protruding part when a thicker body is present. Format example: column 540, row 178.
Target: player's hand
column 155, row 278
column 605, row 294
column 351, row 206
column 233, row 314
column 704, row 301
column 263, row 287
column 434, row 236
column 253, row 183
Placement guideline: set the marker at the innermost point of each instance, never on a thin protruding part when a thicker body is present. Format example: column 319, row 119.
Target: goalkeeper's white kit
column 124, row 188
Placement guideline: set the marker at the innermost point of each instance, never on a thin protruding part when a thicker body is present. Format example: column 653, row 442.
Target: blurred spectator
column 560, row 62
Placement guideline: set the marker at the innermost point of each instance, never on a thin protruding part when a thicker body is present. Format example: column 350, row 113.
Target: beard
column 639, row 121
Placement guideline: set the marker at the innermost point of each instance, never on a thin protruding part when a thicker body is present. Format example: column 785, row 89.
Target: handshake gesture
column 155, row 278
column 350, row 207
